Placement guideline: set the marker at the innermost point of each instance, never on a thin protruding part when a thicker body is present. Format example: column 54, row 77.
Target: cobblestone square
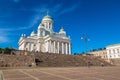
column 64, row 73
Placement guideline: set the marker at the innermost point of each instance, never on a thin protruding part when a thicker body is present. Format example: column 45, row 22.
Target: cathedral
column 46, row 40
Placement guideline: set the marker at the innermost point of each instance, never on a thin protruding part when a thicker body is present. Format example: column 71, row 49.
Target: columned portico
column 59, row 47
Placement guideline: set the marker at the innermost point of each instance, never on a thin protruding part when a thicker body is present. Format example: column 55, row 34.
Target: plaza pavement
column 63, row 73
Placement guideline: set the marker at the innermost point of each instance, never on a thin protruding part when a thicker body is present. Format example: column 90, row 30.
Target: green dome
column 32, row 32
column 62, row 31
column 47, row 16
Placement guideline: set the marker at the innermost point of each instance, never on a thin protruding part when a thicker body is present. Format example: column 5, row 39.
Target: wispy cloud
column 70, row 9
column 55, row 10
column 34, row 19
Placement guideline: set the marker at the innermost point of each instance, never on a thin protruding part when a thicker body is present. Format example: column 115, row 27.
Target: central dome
column 47, row 22
column 47, row 16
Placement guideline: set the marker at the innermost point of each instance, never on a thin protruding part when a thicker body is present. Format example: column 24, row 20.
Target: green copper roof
column 32, row 32
column 47, row 16
column 62, row 31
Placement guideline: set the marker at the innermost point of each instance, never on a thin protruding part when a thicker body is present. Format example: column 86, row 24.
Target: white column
column 47, row 25
column 49, row 46
column 28, row 47
column 23, row 46
column 32, row 46
column 58, row 48
column 69, row 48
column 62, row 48
column 50, row 25
column 53, row 46
column 66, row 46
column 38, row 47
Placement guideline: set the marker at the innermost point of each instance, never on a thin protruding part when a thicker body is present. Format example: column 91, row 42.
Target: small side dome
column 62, row 31
column 23, row 35
column 32, row 33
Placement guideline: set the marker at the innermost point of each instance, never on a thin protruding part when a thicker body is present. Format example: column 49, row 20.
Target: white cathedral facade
column 46, row 40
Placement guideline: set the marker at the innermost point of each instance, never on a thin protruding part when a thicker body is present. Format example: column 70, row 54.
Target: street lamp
column 85, row 39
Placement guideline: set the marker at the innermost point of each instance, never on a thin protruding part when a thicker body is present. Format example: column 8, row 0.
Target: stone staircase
column 61, row 60
column 24, row 58
column 15, row 60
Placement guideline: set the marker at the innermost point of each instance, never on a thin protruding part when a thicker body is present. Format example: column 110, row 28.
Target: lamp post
column 85, row 39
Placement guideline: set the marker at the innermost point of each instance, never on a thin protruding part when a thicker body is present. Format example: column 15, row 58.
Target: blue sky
column 98, row 19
